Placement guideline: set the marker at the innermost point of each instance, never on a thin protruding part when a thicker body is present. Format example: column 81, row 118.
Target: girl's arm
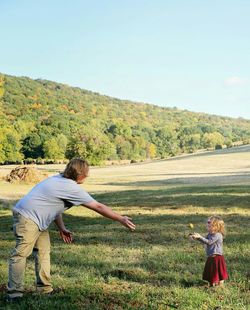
column 213, row 238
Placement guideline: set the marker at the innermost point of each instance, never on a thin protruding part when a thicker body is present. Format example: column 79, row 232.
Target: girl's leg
column 26, row 233
column 216, row 284
column 42, row 263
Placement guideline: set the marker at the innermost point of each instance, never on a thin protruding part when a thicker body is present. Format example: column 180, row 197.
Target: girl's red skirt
column 215, row 269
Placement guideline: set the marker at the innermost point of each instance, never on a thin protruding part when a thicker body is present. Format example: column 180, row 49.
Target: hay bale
column 24, row 174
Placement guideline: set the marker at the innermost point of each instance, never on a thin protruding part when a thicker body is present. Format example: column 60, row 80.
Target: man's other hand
column 66, row 235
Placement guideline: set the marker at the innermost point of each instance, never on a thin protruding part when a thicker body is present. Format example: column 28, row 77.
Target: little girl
column 215, row 271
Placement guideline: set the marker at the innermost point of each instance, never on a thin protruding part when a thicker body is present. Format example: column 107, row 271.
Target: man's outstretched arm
column 109, row 213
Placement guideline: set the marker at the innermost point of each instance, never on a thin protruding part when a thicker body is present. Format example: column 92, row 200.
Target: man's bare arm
column 65, row 234
column 109, row 213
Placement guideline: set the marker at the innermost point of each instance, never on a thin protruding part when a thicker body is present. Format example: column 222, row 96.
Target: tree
column 91, row 145
column 33, row 146
column 151, row 150
column 10, row 146
column 62, row 142
column 123, row 148
column 120, row 129
column 138, row 148
column 55, row 147
column 210, row 140
column 166, row 142
column 193, row 143
column 52, row 150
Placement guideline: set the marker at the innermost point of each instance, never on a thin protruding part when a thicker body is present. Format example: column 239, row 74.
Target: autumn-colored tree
column 91, row 145
column 210, row 140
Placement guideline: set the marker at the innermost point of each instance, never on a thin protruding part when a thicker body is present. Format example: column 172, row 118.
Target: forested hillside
column 43, row 120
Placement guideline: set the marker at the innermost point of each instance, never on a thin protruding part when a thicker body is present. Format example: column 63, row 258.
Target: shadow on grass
column 200, row 196
column 194, row 180
column 162, row 279
column 173, row 197
column 79, row 297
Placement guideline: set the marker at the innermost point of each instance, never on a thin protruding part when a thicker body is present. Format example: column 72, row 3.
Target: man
column 34, row 213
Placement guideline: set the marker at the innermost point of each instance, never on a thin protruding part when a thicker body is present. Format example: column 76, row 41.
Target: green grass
column 154, row 267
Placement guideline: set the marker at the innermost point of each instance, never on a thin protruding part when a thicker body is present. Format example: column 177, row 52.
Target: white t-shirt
column 50, row 198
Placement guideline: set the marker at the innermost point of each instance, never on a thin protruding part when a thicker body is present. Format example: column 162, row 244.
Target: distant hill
column 43, row 120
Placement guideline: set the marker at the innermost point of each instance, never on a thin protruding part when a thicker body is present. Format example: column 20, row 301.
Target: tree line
column 43, row 121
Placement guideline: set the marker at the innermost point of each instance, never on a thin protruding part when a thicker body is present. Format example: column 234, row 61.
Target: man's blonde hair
column 217, row 225
column 75, row 168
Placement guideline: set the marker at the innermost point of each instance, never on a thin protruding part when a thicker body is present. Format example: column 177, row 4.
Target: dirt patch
column 23, row 174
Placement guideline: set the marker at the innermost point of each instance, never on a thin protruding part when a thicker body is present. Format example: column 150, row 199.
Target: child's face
column 208, row 225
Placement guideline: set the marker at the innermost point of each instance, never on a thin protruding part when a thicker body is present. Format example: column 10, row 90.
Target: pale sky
column 190, row 54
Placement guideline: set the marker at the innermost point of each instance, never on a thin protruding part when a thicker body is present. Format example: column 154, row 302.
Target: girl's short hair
column 217, row 225
column 75, row 168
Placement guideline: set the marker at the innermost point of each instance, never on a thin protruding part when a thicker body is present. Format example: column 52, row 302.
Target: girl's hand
column 66, row 235
column 196, row 236
column 190, row 236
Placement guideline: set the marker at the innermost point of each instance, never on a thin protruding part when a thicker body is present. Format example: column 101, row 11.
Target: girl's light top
column 214, row 243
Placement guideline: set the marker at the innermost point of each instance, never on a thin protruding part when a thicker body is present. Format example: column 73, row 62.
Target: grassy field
column 157, row 266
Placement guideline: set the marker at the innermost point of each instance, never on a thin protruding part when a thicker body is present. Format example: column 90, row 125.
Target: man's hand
column 126, row 221
column 66, row 235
